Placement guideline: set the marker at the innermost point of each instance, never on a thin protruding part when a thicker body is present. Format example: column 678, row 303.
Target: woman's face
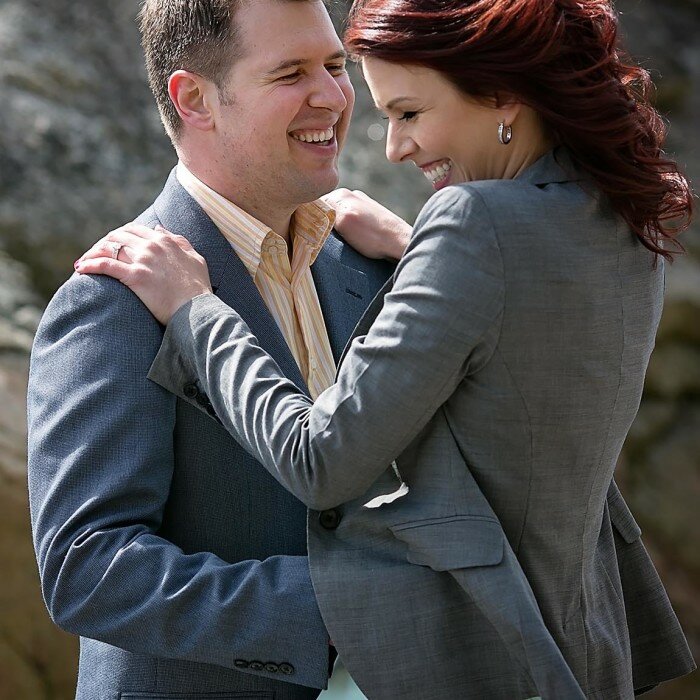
column 452, row 138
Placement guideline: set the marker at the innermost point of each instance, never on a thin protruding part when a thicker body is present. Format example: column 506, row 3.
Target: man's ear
column 192, row 96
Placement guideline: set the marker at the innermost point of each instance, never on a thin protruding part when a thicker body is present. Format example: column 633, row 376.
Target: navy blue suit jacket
column 175, row 556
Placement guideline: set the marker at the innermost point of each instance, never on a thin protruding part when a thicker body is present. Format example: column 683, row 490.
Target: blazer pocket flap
column 457, row 542
column 622, row 519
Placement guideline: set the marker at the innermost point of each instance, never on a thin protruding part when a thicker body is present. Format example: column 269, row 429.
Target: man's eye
column 408, row 116
column 290, row 76
column 336, row 68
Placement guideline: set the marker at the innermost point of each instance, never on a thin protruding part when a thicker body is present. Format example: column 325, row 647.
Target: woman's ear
column 508, row 108
column 191, row 95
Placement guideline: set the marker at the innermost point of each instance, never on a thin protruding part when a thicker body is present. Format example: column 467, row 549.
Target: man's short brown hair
column 199, row 36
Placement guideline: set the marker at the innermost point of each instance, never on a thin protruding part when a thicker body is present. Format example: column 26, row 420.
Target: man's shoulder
column 98, row 305
column 101, row 308
column 148, row 217
column 345, row 254
column 98, row 291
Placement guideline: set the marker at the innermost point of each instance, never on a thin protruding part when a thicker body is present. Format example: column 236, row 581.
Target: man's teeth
column 315, row 136
column 438, row 173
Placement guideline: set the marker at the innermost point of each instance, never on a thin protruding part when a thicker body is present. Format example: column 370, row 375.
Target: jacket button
column 240, row 663
column 256, row 665
column 329, row 519
column 190, row 391
column 271, row 668
column 287, row 669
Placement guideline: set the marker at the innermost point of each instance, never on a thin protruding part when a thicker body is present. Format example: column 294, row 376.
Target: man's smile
column 321, row 136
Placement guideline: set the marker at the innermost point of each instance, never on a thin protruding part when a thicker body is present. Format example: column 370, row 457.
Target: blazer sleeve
column 100, row 466
column 439, row 323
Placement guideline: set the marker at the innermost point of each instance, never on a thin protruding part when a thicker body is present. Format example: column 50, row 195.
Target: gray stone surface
column 81, row 148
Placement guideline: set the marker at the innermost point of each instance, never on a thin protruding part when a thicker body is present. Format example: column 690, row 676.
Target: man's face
column 286, row 104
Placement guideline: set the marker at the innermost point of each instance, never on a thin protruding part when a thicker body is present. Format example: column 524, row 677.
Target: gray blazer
column 501, row 372
column 175, row 556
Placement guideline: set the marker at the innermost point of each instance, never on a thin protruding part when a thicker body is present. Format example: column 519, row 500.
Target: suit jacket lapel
column 230, row 279
column 343, row 293
column 368, row 317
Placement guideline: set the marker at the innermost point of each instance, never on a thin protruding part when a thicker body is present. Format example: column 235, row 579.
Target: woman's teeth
column 314, row 136
column 438, row 173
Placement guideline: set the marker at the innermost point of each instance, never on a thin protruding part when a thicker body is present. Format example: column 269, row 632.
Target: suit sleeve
column 100, row 466
column 439, row 323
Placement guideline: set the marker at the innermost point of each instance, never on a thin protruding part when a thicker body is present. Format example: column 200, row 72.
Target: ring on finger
column 115, row 248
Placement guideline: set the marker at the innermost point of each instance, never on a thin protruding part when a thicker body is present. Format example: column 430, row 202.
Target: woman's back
column 541, row 425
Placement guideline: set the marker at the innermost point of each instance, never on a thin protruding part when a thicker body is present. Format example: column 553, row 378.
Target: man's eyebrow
column 295, row 62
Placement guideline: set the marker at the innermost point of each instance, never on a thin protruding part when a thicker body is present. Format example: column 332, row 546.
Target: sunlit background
column 82, row 150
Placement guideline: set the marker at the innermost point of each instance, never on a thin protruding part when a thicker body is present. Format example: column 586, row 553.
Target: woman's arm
column 439, row 323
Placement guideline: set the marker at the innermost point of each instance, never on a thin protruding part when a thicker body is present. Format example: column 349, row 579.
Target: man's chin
column 319, row 185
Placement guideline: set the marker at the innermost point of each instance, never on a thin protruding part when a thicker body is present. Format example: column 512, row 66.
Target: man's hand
column 367, row 226
column 162, row 269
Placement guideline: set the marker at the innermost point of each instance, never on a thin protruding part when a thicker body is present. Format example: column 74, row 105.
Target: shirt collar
column 312, row 222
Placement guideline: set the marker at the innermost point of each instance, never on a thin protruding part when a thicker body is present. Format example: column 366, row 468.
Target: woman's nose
column 398, row 147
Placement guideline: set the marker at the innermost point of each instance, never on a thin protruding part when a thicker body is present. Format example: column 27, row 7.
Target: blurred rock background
column 82, row 151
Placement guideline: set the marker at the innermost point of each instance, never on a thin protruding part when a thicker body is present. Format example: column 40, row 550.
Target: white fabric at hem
column 341, row 686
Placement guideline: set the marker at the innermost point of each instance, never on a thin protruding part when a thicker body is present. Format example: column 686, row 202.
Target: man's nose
column 328, row 94
column 398, row 147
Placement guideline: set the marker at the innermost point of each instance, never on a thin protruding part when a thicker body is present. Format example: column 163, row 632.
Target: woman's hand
column 367, row 226
column 162, row 269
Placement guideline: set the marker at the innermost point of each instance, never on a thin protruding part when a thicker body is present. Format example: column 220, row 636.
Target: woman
column 471, row 542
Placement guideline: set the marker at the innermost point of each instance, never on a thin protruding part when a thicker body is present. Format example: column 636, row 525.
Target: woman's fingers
column 118, row 269
column 161, row 268
column 362, row 195
column 137, row 230
column 133, row 242
column 337, row 198
column 118, row 244
column 368, row 226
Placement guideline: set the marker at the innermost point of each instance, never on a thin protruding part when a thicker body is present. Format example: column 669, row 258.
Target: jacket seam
column 516, row 546
column 582, row 604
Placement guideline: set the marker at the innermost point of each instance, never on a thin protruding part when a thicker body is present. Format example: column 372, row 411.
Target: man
column 173, row 554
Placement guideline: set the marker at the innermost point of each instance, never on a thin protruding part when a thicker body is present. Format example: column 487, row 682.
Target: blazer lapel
column 343, row 293
column 367, row 319
column 230, row 279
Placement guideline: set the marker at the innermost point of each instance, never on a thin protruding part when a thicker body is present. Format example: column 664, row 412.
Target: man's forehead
column 291, row 32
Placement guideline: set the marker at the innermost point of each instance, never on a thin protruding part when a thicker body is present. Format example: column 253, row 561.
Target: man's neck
column 277, row 218
column 279, row 222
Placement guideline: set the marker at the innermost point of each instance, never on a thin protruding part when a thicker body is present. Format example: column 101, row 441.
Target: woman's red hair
column 561, row 58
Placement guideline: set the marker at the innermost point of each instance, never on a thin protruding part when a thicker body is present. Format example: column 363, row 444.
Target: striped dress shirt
column 287, row 287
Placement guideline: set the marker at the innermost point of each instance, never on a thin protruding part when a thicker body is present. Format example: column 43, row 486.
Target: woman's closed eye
column 405, row 116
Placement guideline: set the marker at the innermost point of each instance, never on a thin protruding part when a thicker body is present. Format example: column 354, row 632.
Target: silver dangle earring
column 505, row 133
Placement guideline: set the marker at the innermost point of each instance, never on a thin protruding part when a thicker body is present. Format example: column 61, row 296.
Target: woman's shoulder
column 550, row 186
column 485, row 204
column 516, row 208
column 457, row 224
